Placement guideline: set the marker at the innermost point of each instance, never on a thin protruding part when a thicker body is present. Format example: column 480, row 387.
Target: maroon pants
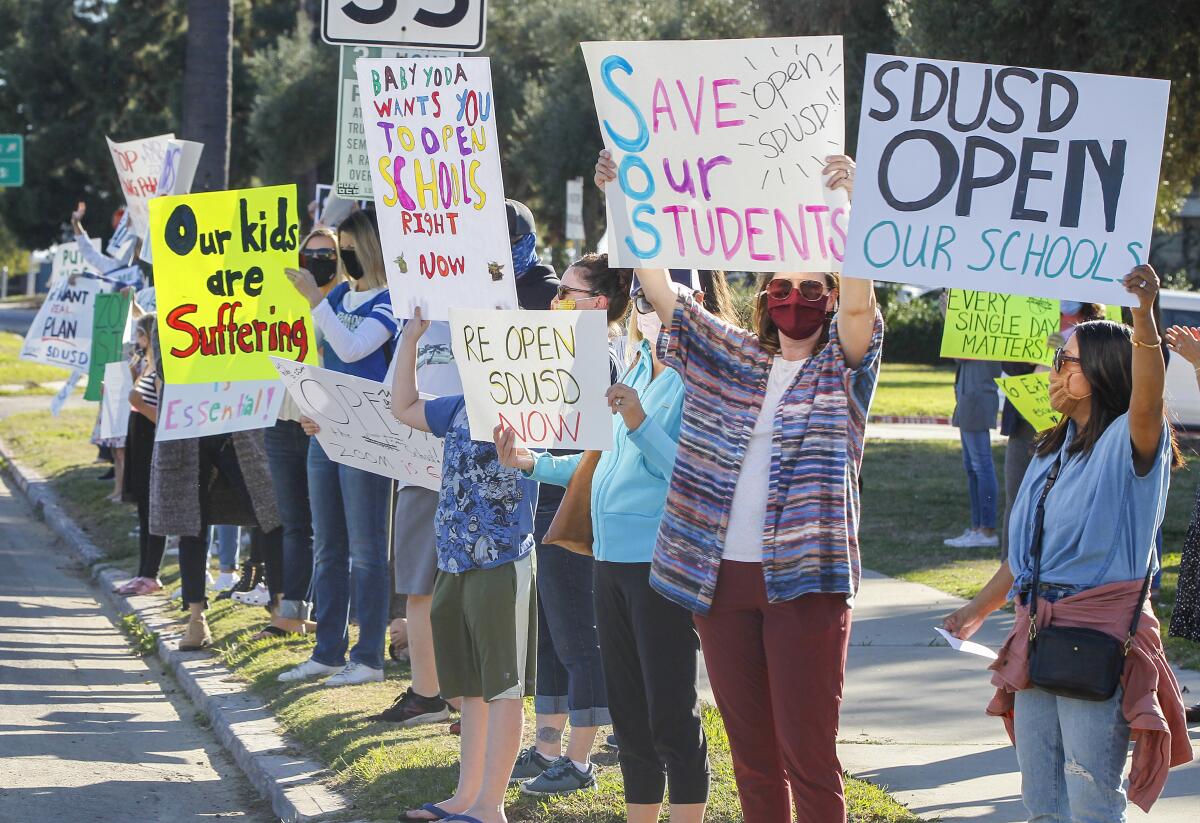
column 777, row 670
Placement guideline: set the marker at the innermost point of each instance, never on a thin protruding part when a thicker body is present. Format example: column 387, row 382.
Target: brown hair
column 718, row 301
column 764, row 326
column 608, row 282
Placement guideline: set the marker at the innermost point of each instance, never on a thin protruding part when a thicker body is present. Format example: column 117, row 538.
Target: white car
column 1182, row 308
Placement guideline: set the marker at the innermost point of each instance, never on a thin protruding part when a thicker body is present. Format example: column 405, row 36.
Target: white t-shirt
column 748, row 512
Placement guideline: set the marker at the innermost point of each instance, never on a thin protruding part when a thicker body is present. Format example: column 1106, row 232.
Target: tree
column 208, row 89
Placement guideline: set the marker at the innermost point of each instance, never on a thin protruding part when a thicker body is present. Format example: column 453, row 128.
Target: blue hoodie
column 629, row 488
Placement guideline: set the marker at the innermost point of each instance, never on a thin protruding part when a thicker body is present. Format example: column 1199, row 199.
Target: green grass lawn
column 14, row 371
column 911, row 390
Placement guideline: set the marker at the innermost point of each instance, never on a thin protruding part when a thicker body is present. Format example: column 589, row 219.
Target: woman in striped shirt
column 760, row 535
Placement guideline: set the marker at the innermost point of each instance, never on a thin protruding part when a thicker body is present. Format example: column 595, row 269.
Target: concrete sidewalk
column 913, row 716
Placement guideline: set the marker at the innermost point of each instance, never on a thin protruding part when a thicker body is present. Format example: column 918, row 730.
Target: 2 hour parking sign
column 430, row 24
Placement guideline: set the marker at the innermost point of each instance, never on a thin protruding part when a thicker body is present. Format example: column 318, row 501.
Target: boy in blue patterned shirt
column 484, row 609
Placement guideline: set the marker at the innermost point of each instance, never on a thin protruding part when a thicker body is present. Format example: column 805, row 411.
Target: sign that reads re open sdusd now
column 1005, row 179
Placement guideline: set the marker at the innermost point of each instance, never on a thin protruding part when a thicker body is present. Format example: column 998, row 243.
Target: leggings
column 216, row 451
column 139, row 452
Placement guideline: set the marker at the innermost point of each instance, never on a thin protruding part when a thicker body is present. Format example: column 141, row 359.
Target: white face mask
column 650, row 325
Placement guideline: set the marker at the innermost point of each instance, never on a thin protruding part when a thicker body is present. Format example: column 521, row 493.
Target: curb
column 242, row 723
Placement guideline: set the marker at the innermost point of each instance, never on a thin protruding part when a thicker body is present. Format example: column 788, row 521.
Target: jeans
column 1072, row 753
column 228, row 540
column 287, row 458
column 350, row 531
column 981, row 477
column 570, row 678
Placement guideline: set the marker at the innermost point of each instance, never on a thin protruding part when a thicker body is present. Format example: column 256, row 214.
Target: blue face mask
column 1070, row 306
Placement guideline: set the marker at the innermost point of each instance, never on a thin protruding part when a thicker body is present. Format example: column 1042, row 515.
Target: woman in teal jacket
column 647, row 643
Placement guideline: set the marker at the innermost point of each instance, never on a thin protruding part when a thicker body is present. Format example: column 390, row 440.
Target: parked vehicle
column 1182, row 308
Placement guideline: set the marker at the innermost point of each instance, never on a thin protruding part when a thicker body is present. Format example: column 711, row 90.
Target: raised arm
column 1185, row 342
column 407, row 405
column 1149, row 371
column 856, row 299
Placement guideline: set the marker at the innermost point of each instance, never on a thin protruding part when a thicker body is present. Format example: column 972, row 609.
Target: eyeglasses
column 563, row 291
column 809, row 289
column 641, row 303
column 1061, row 357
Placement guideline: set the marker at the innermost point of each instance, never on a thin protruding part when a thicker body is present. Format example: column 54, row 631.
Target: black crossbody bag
column 1085, row 664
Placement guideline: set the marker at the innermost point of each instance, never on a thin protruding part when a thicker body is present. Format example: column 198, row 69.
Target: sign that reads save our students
column 720, row 147
column 543, row 374
column 223, row 301
column 984, row 326
column 357, row 425
column 1005, row 179
column 435, row 175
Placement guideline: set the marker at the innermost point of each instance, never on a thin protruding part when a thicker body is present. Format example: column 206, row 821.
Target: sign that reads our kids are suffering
column 1030, row 396
column 720, row 147
column 1005, row 179
column 985, row 326
column 435, row 174
column 542, row 374
column 224, row 303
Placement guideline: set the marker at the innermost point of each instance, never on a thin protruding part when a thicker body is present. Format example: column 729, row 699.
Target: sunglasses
column 308, row 255
column 782, row 289
column 641, row 303
column 1061, row 358
column 563, row 291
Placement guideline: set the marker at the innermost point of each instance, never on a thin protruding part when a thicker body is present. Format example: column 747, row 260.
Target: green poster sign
column 985, row 326
column 108, row 334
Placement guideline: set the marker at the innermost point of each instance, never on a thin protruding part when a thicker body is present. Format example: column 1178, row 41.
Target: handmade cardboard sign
column 1005, row 179
column 61, row 332
column 196, row 409
column 720, row 147
column 357, row 425
column 435, row 169
column 109, row 319
column 1030, row 396
column 224, row 303
column 139, row 165
column 985, row 326
column 67, row 262
column 114, row 410
column 543, row 374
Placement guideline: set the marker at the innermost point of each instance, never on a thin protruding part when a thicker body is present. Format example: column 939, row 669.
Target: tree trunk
column 207, row 89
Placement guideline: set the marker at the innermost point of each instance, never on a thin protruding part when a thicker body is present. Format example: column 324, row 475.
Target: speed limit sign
column 429, row 24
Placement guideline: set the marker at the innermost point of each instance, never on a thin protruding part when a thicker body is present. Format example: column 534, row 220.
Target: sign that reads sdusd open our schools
column 1005, row 179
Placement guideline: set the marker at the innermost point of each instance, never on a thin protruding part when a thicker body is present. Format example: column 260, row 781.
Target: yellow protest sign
column 1030, row 396
column 224, row 303
column 985, row 326
column 1113, row 313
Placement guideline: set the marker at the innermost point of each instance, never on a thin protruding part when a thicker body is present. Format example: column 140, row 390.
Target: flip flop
column 437, row 811
column 271, row 631
column 465, row 818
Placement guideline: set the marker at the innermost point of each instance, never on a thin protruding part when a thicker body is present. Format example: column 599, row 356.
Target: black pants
column 649, row 646
column 216, row 452
column 266, row 549
column 139, row 452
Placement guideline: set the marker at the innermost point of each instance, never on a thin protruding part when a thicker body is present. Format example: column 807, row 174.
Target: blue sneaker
column 530, row 764
column 563, row 777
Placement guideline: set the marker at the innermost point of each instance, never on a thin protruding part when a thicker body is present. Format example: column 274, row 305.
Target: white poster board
column 114, row 405
column 431, row 137
column 61, row 332
column 120, row 245
column 574, row 227
column 198, row 409
column 67, row 262
column 357, row 425
column 543, row 374
column 720, row 147
column 1005, row 179
column 139, row 165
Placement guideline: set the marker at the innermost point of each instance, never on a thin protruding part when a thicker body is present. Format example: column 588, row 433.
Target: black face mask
column 353, row 266
column 322, row 263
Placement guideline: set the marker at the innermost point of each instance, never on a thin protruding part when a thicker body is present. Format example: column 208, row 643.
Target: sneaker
column 611, row 744
column 258, row 596
column 129, row 586
column 563, row 777
column 530, row 764
column 146, row 585
column 412, row 709
column 355, row 673
column 307, row 670
column 225, row 581
column 960, row 541
column 979, row 540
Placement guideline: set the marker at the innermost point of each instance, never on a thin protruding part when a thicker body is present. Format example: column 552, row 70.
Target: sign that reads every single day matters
column 223, row 300
column 985, row 326
column 543, row 374
column 199, row 409
column 1005, row 179
column 357, row 425
column 435, row 170
column 719, row 147
column 1030, row 396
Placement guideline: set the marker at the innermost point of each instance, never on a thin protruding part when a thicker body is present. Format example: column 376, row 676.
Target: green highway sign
column 12, row 160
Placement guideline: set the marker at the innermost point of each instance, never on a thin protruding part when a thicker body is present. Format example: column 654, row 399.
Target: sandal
column 432, row 808
column 272, row 631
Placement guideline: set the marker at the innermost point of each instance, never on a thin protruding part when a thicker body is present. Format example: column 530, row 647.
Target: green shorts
column 485, row 630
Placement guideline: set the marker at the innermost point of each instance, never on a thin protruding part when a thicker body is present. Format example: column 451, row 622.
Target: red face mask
column 796, row 317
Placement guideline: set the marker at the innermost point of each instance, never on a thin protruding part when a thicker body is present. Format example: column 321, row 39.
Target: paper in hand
column 968, row 646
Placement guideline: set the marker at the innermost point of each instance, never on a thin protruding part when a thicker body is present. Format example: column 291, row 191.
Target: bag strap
column 1137, row 611
column 1035, row 548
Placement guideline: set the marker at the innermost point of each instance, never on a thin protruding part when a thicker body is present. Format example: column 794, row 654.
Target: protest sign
column 120, row 245
column 61, row 332
column 60, row 398
column 431, row 137
column 1113, row 313
column 179, row 167
column 984, row 326
column 109, row 319
column 720, row 147
column 198, row 409
column 541, row 373
column 223, row 300
column 1005, row 179
column 139, row 165
column 114, row 409
column 67, row 262
column 357, row 425
column 1030, row 396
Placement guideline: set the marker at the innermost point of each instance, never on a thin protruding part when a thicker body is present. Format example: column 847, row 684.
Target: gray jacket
column 976, row 395
column 175, row 484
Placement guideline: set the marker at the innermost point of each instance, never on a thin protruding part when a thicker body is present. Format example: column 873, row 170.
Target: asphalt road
column 15, row 318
